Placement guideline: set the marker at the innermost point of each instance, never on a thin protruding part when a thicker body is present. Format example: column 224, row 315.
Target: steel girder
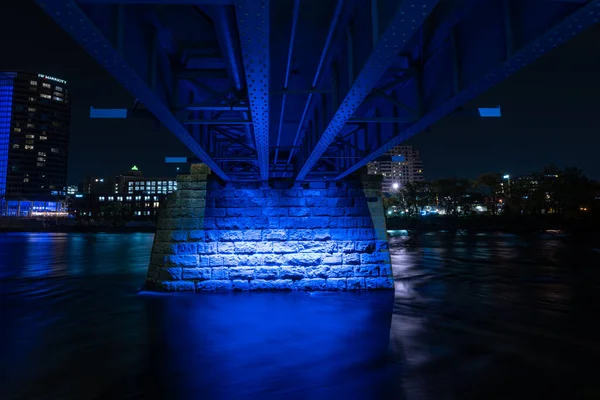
column 253, row 27
column 408, row 18
column 470, row 79
column 148, row 79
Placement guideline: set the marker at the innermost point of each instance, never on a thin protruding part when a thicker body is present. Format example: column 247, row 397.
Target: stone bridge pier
column 319, row 236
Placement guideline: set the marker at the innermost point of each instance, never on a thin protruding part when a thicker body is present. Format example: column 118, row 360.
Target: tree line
column 567, row 193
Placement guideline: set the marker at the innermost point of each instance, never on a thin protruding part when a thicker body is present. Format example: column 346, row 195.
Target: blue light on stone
column 215, row 238
column 6, row 98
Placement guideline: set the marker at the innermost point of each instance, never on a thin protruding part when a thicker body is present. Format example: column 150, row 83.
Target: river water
column 473, row 317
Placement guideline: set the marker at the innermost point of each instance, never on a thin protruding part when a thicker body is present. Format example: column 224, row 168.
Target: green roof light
column 134, row 168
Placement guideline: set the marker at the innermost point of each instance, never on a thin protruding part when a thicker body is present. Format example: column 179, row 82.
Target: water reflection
column 489, row 316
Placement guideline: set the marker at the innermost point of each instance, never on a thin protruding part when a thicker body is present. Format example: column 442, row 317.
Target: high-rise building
column 34, row 136
column 400, row 166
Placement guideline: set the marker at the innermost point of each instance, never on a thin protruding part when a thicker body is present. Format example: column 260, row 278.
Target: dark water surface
column 490, row 316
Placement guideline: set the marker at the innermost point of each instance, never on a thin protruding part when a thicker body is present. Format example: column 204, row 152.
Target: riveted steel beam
column 72, row 19
column 583, row 18
column 408, row 18
column 253, row 26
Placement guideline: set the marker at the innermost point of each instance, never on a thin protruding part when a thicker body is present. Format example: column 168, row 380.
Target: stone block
column 317, row 185
column 179, row 236
column 245, row 247
column 298, row 211
column 231, row 236
column 294, row 273
column 315, row 284
column 292, row 202
column 252, row 235
column 214, row 286
column 319, row 271
column 244, row 212
column 240, row 285
column 284, row 247
column 178, row 286
column 182, row 260
column 335, row 284
column 191, row 194
column 162, row 236
column 187, row 248
column 266, row 273
column 328, row 211
column 279, row 284
column 301, row 234
column 169, row 274
column 207, row 248
column 169, row 223
column 264, row 247
column 341, row 271
column 196, row 273
column 215, row 212
column 355, row 283
column 379, row 283
column 191, row 223
column 274, row 235
column 366, row 270
column 241, row 273
column 340, row 202
column 316, row 202
column 249, row 193
column 345, row 247
column 196, row 235
column 215, row 260
column 271, row 259
column 199, row 169
column 275, row 211
column 302, row 259
column 363, row 246
column 212, row 236
column 375, row 258
column 314, row 193
column 225, row 247
column 220, row 273
column 321, row 234
column 316, row 247
column 351, row 258
column 332, row 259
column 231, row 260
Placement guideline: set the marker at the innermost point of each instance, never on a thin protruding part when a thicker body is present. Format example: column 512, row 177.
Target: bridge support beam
column 318, row 236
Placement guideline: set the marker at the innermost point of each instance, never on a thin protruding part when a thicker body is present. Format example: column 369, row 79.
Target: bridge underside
column 284, row 101
column 309, row 90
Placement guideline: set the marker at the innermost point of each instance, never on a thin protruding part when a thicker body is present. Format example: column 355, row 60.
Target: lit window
column 111, row 198
column 119, row 198
column 43, row 137
column 17, row 129
column 41, row 164
column 146, row 197
column 32, row 99
column 34, row 83
column 29, row 137
column 30, row 125
column 59, row 88
column 101, row 198
column 25, row 179
column 54, row 150
column 130, row 184
column 138, row 197
column 28, row 147
column 15, row 146
column 43, row 159
column 46, row 85
column 45, row 96
column 57, row 98
column 41, row 153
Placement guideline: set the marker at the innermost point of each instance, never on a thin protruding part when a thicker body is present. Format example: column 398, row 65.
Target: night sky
column 551, row 110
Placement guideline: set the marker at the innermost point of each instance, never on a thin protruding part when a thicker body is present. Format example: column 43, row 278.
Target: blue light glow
column 175, row 160
column 108, row 112
column 6, row 93
column 490, row 112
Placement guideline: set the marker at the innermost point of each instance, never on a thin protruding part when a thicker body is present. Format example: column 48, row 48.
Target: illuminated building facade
column 34, row 136
column 133, row 181
column 402, row 165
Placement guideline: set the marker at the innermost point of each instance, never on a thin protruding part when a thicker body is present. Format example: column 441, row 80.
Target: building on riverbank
column 399, row 166
column 34, row 137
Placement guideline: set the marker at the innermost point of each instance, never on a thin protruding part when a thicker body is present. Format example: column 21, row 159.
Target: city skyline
column 543, row 121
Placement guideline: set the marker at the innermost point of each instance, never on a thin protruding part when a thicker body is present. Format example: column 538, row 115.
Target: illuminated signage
column 52, row 78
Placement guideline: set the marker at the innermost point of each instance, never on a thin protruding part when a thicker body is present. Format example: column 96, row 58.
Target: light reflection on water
column 488, row 316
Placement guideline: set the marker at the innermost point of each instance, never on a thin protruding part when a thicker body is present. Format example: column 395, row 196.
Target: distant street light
column 395, row 186
column 506, row 176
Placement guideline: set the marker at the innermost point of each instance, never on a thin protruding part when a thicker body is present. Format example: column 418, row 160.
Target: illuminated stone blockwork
column 321, row 236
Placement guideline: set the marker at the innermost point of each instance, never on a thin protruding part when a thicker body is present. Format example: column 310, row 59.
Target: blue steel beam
column 408, row 18
column 73, row 20
column 578, row 21
column 253, row 26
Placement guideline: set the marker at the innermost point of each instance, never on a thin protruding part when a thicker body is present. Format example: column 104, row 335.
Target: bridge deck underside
column 310, row 89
